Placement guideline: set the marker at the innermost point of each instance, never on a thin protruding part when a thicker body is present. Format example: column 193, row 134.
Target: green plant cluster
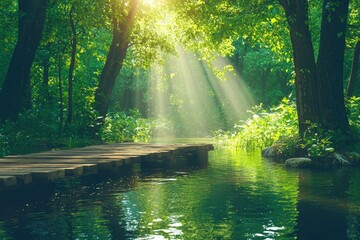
column 278, row 128
column 317, row 142
column 262, row 128
column 35, row 131
column 127, row 127
column 353, row 106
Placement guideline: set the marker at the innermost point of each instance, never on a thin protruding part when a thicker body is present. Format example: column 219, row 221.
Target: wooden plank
column 70, row 169
column 21, row 178
column 37, row 174
column 7, row 181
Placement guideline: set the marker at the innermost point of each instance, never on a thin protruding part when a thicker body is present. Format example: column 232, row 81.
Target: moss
column 298, row 163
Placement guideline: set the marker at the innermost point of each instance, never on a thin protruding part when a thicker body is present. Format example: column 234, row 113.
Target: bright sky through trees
column 149, row 2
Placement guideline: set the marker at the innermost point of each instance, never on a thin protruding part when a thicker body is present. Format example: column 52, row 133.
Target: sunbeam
column 187, row 92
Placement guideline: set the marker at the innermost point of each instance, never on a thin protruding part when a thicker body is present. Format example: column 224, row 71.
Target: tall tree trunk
column 15, row 94
column 61, row 104
column 115, row 58
column 72, row 66
column 304, row 61
column 354, row 70
column 319, row 87
column 45, row 83
column 330, row 66
column 264, row 77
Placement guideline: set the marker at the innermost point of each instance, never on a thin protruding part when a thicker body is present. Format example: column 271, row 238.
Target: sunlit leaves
column 151, row 38
column 353, row 35
column 263, row 128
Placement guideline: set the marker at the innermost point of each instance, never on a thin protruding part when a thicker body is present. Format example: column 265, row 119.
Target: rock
column 353, row 158
column 339, row 160
column 268, row 152
column 301, row 162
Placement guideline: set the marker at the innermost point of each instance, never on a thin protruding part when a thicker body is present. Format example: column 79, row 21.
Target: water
column 235, row 196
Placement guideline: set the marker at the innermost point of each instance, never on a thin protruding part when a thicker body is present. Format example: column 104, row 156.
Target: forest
column 252, row 74
column 179, row 119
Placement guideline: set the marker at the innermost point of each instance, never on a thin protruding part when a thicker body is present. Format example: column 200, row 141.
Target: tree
column 72, row 64
column 15, row 95
column 122, row 24
column 304, row 61
column 319, row 85
column 330, row 66
column 318, row 82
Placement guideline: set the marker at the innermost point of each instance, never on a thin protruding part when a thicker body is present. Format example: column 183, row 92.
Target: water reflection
column 236, row 196
column 329, row 205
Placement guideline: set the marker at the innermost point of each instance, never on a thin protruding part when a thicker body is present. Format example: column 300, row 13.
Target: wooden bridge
column 20, row 170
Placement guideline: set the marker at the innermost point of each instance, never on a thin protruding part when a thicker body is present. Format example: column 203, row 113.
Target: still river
column 235, row 196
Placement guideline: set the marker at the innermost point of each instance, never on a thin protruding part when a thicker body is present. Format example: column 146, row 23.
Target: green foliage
column 4, row 147
column 39, row 130
column 352, row 35
column 353, row 106
column 278, row 128
column 266, row 74
column 263, row 128
column 126, row 127
column 252, row 34
column 317, row 142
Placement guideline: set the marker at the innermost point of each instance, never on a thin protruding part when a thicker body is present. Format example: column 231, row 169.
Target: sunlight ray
column 197, row 101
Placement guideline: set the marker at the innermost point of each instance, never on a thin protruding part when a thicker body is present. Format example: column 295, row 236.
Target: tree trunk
column 304, row 61
column 72, row 67
column 45, row 83
column 114, row 60
column 354, row 71
column 264, row 77
column 15, row 95
column 61, row 105
column 330, row 66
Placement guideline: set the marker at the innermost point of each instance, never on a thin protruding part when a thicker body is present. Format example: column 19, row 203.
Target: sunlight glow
column 187, row 92
column 149, row 2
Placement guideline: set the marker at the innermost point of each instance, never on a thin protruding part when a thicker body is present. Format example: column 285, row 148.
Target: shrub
column 278, row 128
column 126, row 127
column 263, row 128
column 38, row 130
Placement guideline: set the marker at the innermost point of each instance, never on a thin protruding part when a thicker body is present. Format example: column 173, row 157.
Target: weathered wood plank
column 21, row 178
column 37, row 174
column 7, row 181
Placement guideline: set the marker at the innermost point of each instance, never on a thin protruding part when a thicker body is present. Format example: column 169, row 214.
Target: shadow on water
column 234, row 196
column 329, row 204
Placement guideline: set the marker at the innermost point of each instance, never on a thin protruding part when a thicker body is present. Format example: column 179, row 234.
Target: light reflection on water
column 236, row 196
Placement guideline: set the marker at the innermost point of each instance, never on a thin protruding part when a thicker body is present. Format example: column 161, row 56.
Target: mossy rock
column 353, row 158
column 301, row 162
column 268, row 152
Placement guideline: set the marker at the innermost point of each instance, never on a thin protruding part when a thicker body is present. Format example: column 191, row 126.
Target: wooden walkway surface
column 43, row 167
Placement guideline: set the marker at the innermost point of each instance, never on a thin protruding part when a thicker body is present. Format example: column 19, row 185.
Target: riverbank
column 301, row 160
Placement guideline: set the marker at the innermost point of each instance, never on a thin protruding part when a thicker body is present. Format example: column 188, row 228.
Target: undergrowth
column 35, row 131
column 278, row 127
column 262, row 129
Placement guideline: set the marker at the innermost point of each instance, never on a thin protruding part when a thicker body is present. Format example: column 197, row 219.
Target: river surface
column 235, row 196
